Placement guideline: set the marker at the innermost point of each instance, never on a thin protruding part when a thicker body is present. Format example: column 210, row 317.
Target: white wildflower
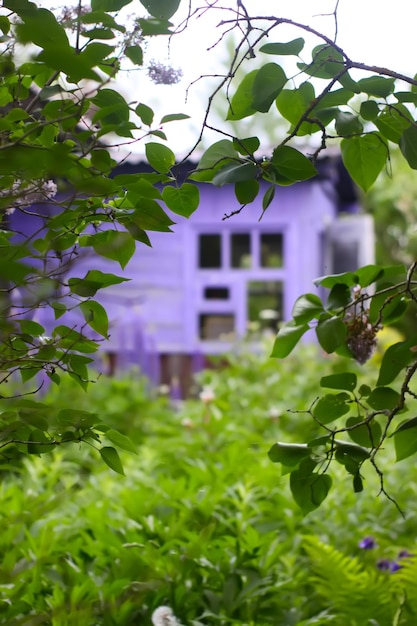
column 163, row 616
column 207, row 395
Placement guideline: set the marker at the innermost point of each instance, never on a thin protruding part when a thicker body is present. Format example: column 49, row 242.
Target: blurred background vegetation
column 202, row 522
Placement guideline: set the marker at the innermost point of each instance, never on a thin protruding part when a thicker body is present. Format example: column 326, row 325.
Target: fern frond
column 403, row 584
column 352, row 592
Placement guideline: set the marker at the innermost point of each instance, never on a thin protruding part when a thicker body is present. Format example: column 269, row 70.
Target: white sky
column 379, row 32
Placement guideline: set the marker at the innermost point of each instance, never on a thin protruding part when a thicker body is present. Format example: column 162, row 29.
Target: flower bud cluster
column 361, row 335
column 162, row 74
column 24, row 196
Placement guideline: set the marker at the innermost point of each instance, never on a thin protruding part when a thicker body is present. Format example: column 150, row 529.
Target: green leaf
column 246, row 146
column 364, row 391
column 160, row 157
column 108, row 5
column 241, row 104
column 383, row 398
column 82, row 420
column 102, row 160
column 293, row 104
column 364, row 158
column 39, row 442
column 172, row 117
column 98, row 33
column 331, row 333
column 395, row 360
column 121, row 441
column 217, row 155
column 332, row 406
column 289, row 48
column 59, row 309
column 405, row 439
column 289, row 454
column 246, row 191
column 406, row 96
column 4, row 24
column 369, row 110
column 348, row 124
column 39, row 26
column 288, row 336
column 357, row 483
column 268, row 197
column 339, row 297
column 92, row 282
column 327, row 62
column 368, row 274
column 96, row 317
column 182, row 200
column 111, row 457
column 306, row 308
column 377, row 86
column 235, row 173
column 112, row 108
column 135, row 54
column 112, row 244
column 31, row 328
column 333, row 99
column 163, row 9
column 366, row 435
column 310, row 490
column 292, row 164
column 408, row 146
column 393, row 121
column 346, row 278
column 358, row 453
column 344, row 380
column 145, row 113
column 394, row 310
column 149, row 216
column 268, row 83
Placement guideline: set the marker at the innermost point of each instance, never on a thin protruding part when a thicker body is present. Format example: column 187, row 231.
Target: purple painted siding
column 195, row 291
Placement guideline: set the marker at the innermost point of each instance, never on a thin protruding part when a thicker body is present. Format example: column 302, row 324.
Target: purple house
column 199, row 291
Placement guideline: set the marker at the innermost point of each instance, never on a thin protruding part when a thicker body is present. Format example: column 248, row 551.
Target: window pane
column 216, row 293
column 271, row 249
column 209, row 253
column 265, row 302
column 214, row 326
column 240, row 250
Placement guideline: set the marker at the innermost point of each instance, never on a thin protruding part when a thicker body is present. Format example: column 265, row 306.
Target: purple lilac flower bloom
column 162, row 74
column 367, row 543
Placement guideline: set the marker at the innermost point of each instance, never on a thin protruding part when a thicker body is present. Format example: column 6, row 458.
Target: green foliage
column 55, row 137
column 54, row 127
column 202, row 521
column 348, row 324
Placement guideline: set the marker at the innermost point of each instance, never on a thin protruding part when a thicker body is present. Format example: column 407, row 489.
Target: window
column 216, row 293
column 210, row 254
column 240, row 250
column 265, row 302
column 255, row 250
column 216, row 326
column 271, row 250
